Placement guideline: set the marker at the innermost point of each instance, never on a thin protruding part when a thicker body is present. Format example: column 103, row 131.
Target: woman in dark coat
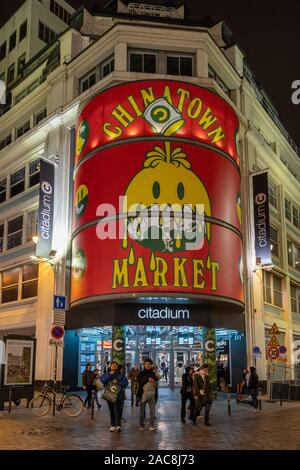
column 187, row 393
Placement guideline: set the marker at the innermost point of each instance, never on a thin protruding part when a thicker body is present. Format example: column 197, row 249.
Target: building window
column 295, row 299
column 88, row 81
column 3, row 190
column 274, row 241
column 272, row 289
column 11, row 73
column 277, row 291
column 23, row 129
column 32, row 221
column 3, row 50
column 297, row 257
column 1, row 237
column 142, row 62
column 21, row 62
column 10, row 285
column 290, row 252
column 29, row 280
column 288, row 209
column 46, row 34
column 5, row 142
column 23, row 31
column 59, row 11
column 272, row 194
column 213, row 74
column 40, row 116
column 15, row 232
column 107, row 67
column 12, row 41
column 34, row 173
column 179, row 65
column 17, row 182
column 296, row 217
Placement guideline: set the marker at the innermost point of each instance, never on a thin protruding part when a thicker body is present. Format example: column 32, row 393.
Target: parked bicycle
column 70, row 404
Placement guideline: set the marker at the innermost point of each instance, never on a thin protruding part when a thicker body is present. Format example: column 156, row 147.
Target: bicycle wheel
column 72, row 405
column 40, row 405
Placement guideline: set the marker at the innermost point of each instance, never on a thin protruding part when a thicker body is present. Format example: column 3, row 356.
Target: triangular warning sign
column 274, row 330
column 273, row 342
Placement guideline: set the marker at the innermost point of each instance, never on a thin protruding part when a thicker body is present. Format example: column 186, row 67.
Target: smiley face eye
column 156, row 189
column 180, row 191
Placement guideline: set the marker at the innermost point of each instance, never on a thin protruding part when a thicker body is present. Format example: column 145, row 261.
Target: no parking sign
column 57, row 332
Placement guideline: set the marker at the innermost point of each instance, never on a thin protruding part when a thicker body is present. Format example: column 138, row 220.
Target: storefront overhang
column 157, row 311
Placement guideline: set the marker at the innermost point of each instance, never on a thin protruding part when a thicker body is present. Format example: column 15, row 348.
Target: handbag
column 111, row 392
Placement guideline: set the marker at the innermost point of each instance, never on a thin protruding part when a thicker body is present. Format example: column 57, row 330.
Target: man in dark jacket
column 145, row 377
column 253, row 388
column 187, row 393
column 115, row 376
column 88, row 377
column 202, row 393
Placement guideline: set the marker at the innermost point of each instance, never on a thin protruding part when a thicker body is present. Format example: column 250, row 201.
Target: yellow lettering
column 207, row 119
column 183, row 94
column 112, row 133
column 134, row 105
column 122, row 115
column 180, row 279
column 215, row 267
column 167, row 94
column 120, row 275
column 218, row 134
column 194, row 108
column 197, row 271
column 140, row 278
column 159, row 278
column 147, row 96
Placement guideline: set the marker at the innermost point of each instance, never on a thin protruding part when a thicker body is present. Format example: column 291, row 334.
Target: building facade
column 95, row 53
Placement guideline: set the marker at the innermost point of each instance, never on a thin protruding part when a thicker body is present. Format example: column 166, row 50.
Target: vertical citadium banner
column 209, row 339
column 119, row 344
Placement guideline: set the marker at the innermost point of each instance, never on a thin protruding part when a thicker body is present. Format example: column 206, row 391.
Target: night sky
column 269, row 36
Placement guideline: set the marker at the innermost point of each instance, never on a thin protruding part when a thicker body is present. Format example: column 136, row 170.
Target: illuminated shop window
column 29, row 280
column 19, row 283
column 10, row 285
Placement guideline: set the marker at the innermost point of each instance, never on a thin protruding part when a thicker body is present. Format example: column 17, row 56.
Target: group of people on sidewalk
column 196, row 388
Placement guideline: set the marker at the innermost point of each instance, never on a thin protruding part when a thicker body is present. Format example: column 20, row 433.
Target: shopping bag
column 111, row 392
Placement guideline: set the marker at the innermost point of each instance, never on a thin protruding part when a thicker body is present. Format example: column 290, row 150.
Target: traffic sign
column 57, row 332
column 59, row 302
column 282, row 349
column 59, row 317
column 256, row 350
column 274, row 330
column 273, row 342
column 273, row 353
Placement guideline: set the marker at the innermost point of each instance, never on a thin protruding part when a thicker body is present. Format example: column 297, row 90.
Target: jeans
column 115, row 410
column 184, row 398
column 254, row 393
column 199, row 404
column 89, row 390
column 151, row 403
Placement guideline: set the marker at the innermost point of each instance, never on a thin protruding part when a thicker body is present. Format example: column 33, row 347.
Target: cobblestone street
column 274, row 427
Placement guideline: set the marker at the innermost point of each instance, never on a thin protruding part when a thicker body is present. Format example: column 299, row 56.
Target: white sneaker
column 255, row 410
column 119, row 429
column 112, row 429
column 152, row 428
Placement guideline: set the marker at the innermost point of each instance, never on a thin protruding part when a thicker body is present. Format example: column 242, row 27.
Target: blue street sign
column 282, row 349
column 59, row 302
column 256, row 350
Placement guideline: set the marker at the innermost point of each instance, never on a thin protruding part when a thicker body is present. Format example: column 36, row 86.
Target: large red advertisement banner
column 157, row 204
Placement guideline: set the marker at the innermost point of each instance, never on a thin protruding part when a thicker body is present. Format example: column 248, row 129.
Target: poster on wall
column 19, row 362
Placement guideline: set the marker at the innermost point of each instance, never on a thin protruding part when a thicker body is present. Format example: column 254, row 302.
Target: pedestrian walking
column 165, row 370
column 88, row 377
column 97, row 387
column 253, row 388
column 187, row 393
column 115, row 383
column 202, row 393
column 147, row 380
column 134, row 384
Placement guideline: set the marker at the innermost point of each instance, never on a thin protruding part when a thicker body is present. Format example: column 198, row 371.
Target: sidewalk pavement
column 274, row 427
